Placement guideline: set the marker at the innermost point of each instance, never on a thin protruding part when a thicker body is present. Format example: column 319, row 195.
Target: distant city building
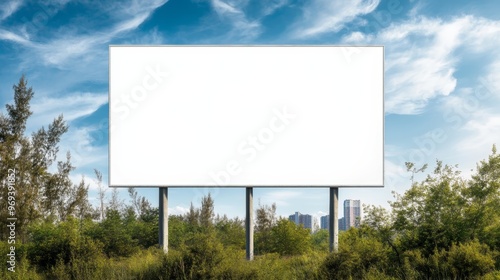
column 352, row 213
column 301, row 219
column 325, row 222
column 306, row 220
column 294, row 217
column 342, row 224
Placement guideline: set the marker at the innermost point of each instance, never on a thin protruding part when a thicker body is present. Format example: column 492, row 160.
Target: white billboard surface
column 250, row 116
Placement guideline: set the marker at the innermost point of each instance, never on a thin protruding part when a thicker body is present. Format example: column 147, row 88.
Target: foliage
column 264, row 222
column 287, row 238
column 444, row 227
column 63, row 249
column 113, row 233
column 230, row 232
column 320, row 239
column 360, row 251
column 39, row 193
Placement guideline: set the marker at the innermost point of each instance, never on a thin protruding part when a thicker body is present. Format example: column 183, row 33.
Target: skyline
column 442, row 89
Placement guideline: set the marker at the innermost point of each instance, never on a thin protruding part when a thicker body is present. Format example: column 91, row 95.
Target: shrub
column 470, row 260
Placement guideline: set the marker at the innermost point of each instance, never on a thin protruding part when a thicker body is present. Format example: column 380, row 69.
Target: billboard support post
column 249, row 223
column 333, row 226
column 163, row 221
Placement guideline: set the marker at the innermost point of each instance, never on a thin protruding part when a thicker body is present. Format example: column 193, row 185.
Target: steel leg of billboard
column 163, row 219
column 334, row 219
column 249, row 223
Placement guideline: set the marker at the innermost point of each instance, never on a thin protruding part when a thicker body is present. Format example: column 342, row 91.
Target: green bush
column 289, row 239
column 470, row 260
column 113, row 234
column 62, row 252
column 359, row 253
column 23, row 268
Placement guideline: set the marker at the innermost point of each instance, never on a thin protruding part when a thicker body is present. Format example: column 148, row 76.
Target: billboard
column 246, row 116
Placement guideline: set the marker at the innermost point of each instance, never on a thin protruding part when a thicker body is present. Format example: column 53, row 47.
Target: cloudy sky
column 442, row 75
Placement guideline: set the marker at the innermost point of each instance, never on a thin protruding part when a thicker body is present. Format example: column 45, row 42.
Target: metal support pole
column 334, row 219
column 249, row 223
column 163, row 219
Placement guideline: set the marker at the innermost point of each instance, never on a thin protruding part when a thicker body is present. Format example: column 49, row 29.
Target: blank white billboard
column 250, row 116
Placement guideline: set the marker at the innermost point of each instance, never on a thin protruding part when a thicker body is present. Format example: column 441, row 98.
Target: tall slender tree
column 38, row 193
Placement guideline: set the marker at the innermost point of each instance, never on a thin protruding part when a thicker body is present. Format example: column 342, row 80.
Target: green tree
column 287, row 238
column 207, row 213
column 101, row 194
column 264, row 222
column 430, row 214
column 113, row 233
column 192, row 217
column 201, row 219
column 320, row 241
column 61, row 242
column 360, row 253
column 177, row 231
column 483, row 201
column 38, row 192
column 139, row 203
column 230, row 232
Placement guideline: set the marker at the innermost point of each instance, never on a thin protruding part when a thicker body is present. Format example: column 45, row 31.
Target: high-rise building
column 325, row 222
column 301, row 219
column 294, row 218
column 306, row 220
column 342, row 224
column 352, row 213
column 352, row 216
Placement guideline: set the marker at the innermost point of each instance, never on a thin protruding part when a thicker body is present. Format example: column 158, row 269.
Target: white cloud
column 64, row 48
column 152, row 37
column 422, row 56
column 90, row 180
column 9, row 8
column 9, row 36
column 481, row 132
column 233, row 13
column 322, row 16
column 178, row 210
column 83, row 153
column 73, row 106
column 395, row 174
column 273, row 5
column 492, row 78
column 79, row 141
column 59, row 51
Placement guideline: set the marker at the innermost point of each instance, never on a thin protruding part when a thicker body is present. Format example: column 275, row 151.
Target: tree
column 287, row 238
column 264, row 222
column 483, row 201
column 112, row 232
column 265, row 218
column 192, row 216
column 101, row 193
column 230, row 232
column 410, row 167
column 38, row 192
column 320, row 241
column 202, row 218
column 430, row 214
column 115, row 203
column 207, row 212
column 360, row 252
column 140, row 203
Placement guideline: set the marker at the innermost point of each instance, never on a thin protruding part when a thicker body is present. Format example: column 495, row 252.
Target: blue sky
column 442, row 75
